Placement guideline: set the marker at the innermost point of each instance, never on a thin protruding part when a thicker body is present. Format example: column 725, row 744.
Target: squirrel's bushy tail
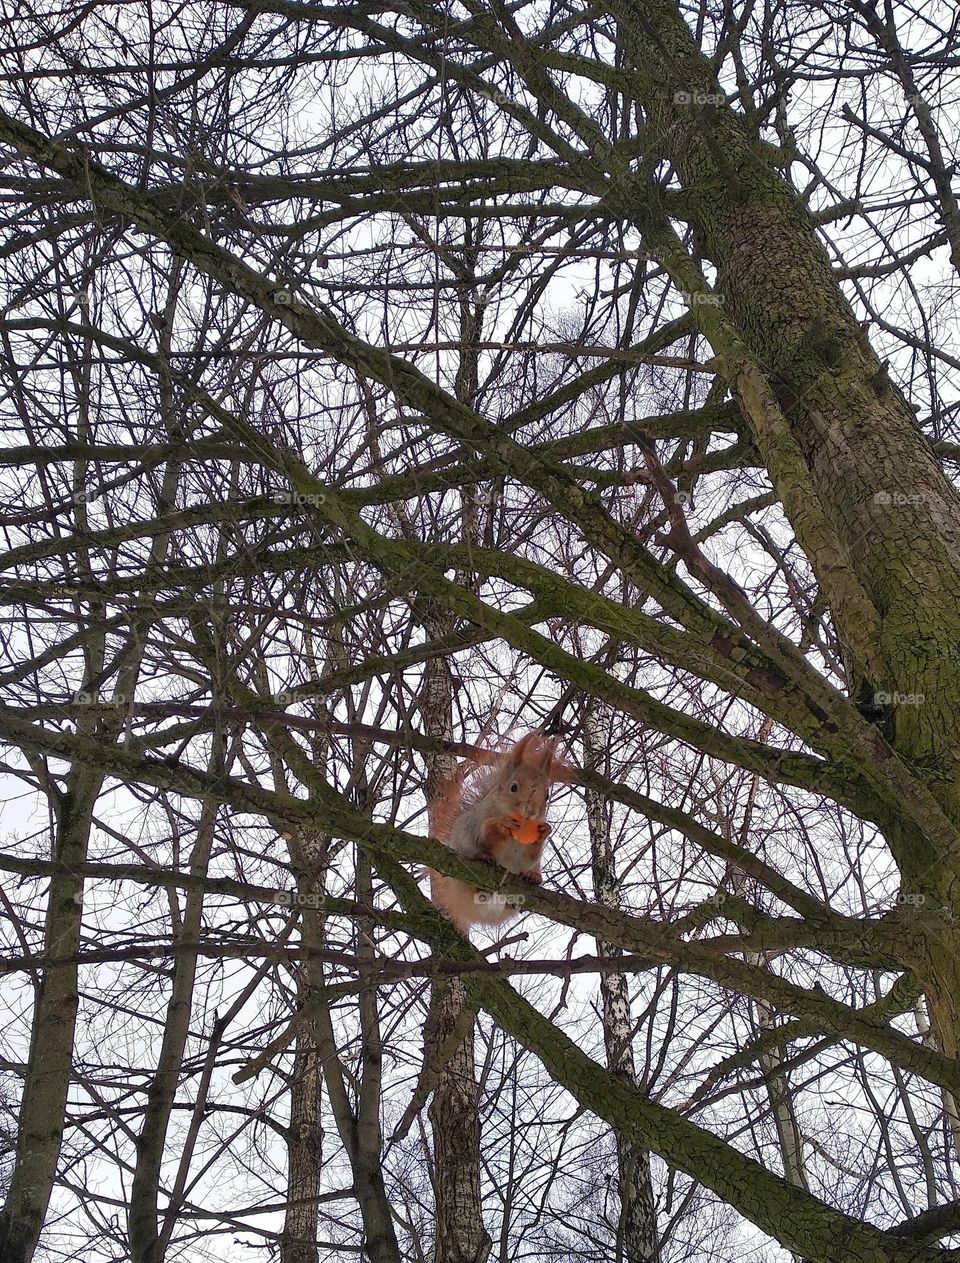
column 455, row 898
column 466, row 905
column 448, row 802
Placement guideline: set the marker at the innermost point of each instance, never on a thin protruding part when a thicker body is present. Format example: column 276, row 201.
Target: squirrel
column 496, row 813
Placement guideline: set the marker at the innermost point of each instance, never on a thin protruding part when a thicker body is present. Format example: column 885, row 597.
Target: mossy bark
column 894, row 515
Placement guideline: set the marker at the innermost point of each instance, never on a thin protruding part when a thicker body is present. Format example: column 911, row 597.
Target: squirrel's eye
column 514, row 787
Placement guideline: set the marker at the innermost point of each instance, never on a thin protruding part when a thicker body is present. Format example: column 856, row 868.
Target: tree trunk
column 845, row 445
column 298, row 1241
column 637, row 1238
column 50, row 1062
column 460, row 1235
column 454, row 1113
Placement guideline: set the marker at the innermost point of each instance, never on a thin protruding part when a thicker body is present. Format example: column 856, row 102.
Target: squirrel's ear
column 547, row 751
column 561, row 770
column 525, row 750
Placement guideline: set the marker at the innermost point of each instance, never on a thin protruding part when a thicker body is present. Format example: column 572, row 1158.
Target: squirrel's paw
column 496, row 831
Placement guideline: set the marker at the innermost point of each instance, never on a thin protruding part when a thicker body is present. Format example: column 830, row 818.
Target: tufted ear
column 562, row 771
column 546, row 760
column 539, row 751
column 560, row 768
column 527, row 749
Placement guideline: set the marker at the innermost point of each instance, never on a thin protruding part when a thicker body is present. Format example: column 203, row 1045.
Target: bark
column 454, row 1112
column 381, row 1239
column 856, row 432
column 845, row 437
column 781, row 1104
column 310, row 856
column 637, row 1237
column 298, row 1240
column 49, row 1065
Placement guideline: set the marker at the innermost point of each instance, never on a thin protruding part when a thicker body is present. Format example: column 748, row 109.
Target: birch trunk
column 637, row 1237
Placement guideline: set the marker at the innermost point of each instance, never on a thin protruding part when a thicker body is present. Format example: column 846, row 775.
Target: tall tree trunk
column 311, row 858
column 315, row 1055
column 368, row 1160
column 842, row 447
column 145, row 1246
column 49, row 1064
column 454, row 1111
column 637, row 1237
column 298, row 1240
